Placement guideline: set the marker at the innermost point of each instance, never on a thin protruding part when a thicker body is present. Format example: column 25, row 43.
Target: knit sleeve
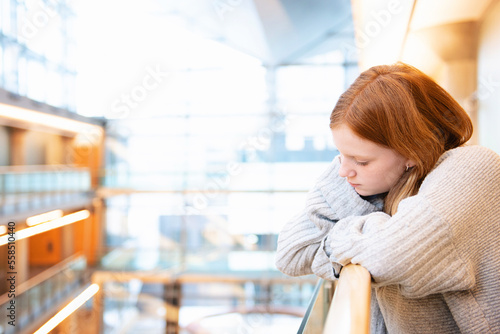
column 413, row 249
column 303, row 246
column 430, row 245
column 301, row 249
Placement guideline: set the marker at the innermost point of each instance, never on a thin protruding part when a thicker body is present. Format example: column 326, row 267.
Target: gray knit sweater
column 435, row 264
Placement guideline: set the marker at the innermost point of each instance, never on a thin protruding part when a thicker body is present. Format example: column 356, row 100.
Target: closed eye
column 361, row 163
column 356, row 162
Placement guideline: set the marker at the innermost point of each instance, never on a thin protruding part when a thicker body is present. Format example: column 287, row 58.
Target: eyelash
column 358, row 163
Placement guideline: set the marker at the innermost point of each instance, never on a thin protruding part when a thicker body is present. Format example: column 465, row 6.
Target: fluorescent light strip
column 52, row 121
column 68, row 309
column 37, row 229
column 44, row 217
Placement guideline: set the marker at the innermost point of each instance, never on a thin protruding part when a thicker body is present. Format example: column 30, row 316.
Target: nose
column 345, row 169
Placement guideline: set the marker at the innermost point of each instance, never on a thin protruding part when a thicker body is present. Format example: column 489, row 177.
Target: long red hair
column 402, row 108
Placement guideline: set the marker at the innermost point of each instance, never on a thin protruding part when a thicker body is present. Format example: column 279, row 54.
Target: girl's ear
column 410, row 163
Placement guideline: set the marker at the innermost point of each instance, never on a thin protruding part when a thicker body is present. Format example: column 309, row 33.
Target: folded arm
column 303, row 246
column 413, row 249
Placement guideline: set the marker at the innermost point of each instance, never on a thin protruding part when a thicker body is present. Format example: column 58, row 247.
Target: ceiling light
column 44, row 217
column 40, row 228
column 15, row 113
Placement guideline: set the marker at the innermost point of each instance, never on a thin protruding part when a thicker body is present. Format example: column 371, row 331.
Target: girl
column 409, row 202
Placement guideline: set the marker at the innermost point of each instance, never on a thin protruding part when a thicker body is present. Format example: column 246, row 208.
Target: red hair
column 401, row 108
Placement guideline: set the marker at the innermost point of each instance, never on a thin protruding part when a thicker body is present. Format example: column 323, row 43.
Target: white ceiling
column 274, row 31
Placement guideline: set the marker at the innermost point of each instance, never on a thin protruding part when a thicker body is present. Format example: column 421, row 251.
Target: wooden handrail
column 350, row 308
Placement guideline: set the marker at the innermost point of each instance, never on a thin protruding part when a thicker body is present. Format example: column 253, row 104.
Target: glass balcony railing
column 25, row 188
column 42, row 295
column 183, row 289
column 317, row 311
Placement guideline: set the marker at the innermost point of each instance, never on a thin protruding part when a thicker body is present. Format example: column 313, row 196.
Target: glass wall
column 239, row 145
column 221, row 122
column 208, row 150
column 218, row 157
column 214, row 140
column 37, row 48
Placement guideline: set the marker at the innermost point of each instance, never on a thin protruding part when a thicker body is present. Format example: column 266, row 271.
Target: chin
column 370, row 193
column 366, row 192
column 363, row 193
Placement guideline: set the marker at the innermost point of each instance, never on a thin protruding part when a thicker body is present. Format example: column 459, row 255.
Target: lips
column 354, row 185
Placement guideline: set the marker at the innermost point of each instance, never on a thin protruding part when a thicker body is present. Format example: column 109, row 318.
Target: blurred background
column 150, row 152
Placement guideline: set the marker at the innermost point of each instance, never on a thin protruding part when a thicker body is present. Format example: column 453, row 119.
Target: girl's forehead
column 349, row 142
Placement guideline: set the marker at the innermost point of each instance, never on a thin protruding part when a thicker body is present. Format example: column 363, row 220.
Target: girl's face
column 369, row 168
